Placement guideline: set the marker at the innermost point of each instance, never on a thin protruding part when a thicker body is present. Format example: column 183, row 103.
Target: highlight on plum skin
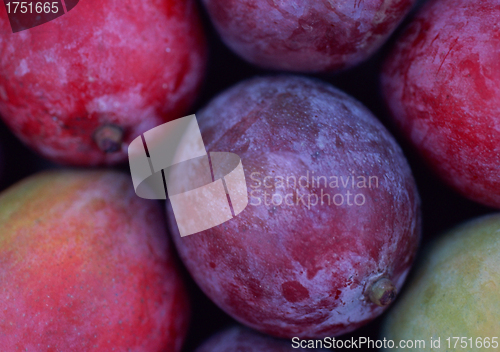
column 315, row 36
column 442, row 84
column 129, row 64
column 299, row 261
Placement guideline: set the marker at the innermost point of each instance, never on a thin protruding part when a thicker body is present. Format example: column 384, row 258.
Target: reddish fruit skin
column 306, row 36
column 85, row 265
column 134, row 64
column 442, row 83
column 289, row 270
column 238, row 339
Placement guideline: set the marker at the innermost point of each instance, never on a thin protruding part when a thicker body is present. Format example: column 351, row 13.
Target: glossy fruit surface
column 442, row 83
column 78, row 89
column 305, row 256
column 86, row 265
column 306, row 36
column 455, row 292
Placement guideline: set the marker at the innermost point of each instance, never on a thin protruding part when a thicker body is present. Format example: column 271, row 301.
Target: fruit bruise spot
column 337, row 294
column 109, row 138
column 293, row 291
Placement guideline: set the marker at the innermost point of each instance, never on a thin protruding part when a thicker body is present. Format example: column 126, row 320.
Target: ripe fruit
column 455, row 291
column 304, row 258
column 85, row 265
column 442, row 83
column 78, row 89
column 240, row 339
column 306, row 36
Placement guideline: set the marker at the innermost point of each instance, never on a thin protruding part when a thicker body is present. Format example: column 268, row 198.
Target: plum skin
column 442, row 84
column 314, row 36
column 130, row 64
column 86, row 264
column 237, row 338
column 294, row 271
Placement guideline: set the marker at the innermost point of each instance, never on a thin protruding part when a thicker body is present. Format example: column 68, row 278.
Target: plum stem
column 382, row 292
column 109, row 138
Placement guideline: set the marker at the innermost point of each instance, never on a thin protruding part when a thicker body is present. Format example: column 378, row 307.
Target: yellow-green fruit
column 455, row 293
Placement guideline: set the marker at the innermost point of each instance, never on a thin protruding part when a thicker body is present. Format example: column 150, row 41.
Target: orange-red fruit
column 85, row 265
column 123, row 65
column 442, row 84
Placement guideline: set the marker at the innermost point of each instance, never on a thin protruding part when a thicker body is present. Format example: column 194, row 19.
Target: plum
column 237, row 339
column 86, row 265
column 333, row 220
column 306, row 36
column 455, row 292
column 78, row 89
column 442, row 84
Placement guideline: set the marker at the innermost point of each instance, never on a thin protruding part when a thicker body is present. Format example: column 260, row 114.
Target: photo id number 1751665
column 29, row 7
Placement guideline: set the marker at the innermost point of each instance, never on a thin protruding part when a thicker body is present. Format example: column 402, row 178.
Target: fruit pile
column 365, row 130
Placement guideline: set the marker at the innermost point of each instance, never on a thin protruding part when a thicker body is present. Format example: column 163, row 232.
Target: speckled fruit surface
column 127, row 64
column 442, row 83
column 238, row 339
column 85, row 265
column 454, row 292
column 289, row 264
column 306, row 36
